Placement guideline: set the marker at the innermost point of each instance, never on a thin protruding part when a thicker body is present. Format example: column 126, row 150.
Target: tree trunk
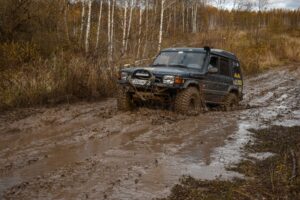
column 99, row 24
column 146, row 29
column 140, row 30
column 194, row 18
column 161, row 24
column 66, row 21
column 82, row 21
column 88, row 27
column 129, row 26
column 108, row 29
column 124, row 27
column 183, row 17
column 112, row 31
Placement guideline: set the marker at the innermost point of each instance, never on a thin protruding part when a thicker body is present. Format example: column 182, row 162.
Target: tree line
column 114, row 29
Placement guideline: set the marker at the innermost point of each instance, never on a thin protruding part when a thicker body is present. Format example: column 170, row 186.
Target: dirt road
column 92, row 151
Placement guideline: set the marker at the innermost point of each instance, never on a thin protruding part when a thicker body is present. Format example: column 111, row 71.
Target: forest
column 63, row 50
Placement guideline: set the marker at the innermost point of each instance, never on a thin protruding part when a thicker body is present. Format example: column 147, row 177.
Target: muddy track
column 90, row 150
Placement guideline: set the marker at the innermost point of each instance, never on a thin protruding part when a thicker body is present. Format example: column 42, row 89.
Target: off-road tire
column 189, row 101
column 230, row 102
column 124, row 101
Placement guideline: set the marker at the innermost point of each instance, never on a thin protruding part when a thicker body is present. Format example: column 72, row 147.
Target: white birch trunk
column 161, row 24
column 129, row 26
column 108, row 29
column 99, row 24
column 194, row 19
column 66, row 21
column 124, row 27
column 82, row 21
column 140, row 30
column 88, row 27
column 112, row 31
column 183, row 17
column 146, row 28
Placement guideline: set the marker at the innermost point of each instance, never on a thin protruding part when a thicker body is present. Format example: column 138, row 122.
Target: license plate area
column 139, row 82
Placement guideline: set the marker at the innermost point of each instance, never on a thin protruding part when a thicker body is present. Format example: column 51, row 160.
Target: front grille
column 158, row 80
column 141, row 74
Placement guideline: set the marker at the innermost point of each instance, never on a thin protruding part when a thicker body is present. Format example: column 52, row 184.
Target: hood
column 180, row 71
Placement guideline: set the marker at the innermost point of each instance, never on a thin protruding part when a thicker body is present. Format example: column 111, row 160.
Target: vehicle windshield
column 180, row 59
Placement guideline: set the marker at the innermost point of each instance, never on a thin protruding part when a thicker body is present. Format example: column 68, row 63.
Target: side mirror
column 211, row 69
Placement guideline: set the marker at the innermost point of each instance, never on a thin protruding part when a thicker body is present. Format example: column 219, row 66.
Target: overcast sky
column 284, row 4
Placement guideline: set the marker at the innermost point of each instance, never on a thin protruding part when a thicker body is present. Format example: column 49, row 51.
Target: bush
column 55, row 80
column 13, row 54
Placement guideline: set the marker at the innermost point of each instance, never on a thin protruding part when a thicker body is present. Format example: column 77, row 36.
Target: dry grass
column 59, row 79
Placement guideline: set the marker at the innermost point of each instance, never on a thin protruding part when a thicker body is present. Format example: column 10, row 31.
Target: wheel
column 124, row 101
column 230, row 102
column 189, row 101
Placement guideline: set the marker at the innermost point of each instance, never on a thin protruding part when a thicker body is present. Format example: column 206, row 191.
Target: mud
column 92, row 151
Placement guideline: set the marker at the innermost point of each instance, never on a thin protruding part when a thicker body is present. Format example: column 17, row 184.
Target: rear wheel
column 124, row 101
column 189, row 101
column 230, row 102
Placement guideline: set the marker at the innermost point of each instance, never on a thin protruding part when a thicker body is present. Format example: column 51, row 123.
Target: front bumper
column 154, row 91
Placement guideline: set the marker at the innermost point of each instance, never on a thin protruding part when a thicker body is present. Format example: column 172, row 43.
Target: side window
column 225, row 67
column 214, row 61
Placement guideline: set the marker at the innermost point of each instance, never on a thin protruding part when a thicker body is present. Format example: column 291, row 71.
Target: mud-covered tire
column 189, row 101
column 124, row 101
column 230, row 102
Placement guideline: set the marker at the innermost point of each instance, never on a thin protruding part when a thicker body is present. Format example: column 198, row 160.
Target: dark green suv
column 186, row 78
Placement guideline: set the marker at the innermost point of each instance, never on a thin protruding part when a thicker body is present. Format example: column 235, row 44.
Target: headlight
column 124, row 76
column 169, row 80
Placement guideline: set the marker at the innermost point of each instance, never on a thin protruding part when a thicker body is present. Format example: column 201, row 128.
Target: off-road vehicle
column 186, row 78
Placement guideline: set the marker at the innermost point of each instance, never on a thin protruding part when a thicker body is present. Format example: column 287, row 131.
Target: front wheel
column 124, row 101
column 230, row 102
column 189, row 101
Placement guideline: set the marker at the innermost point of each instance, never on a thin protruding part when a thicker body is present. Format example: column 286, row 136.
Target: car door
column 217, row 84
column 225, row 76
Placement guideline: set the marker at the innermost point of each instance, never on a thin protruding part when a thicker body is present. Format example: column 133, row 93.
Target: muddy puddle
column 92, row 151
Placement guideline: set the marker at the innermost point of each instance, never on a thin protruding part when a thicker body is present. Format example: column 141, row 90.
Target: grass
column 56, row 80
column 276, row 177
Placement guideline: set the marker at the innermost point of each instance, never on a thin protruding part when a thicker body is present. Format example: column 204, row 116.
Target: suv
column 186, row 78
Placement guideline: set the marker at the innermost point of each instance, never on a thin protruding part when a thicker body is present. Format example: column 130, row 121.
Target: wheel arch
column 191, row 83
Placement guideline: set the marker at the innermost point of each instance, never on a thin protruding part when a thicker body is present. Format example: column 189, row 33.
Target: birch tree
column 146, row 27
column 82, row 20
column 183, row 16
column 161, row 24
column 112, row 31
column 88, row 27
column 124, row 27
column 108, row 28
column 140, row 29
column 194, row 16
column 66, row 10
column 129, row 25
column 99, row 24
